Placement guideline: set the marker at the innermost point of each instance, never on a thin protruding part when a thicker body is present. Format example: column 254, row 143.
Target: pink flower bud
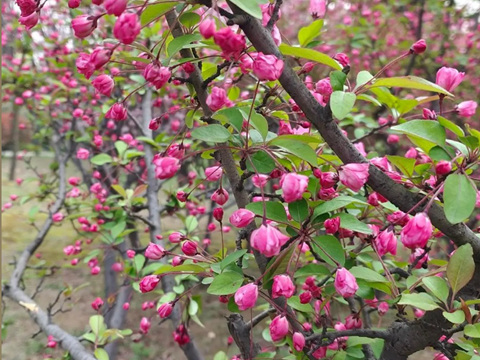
column 353, row 322
column 220, row 196
column 354, row 176
column 393, row 139
column 166, row 167
column 117, row 267
column 157, row 75
column 51, row 343
column 180, row 335
column 332, row 225
column 97, row 303
column 278, row 328
column 57, row 217
column 145, row 325
column 100, row 56
column 126, row 306
column 417, row 232
column 207, row 28
column 241, row 218
column 449, row 78
column 83, row 154
column 293, row 186
column 419, row 257
column 419, row 47
column 84, row 65
column 466, row 108
column 189, row 248
column 73, row 4
column 345, row 283
column 328, row 179
column 148, row 283
column 217, row 99
column 246, row 296
column 27, row 7
column 342, row 59
column 83, row 25
column 165, row 310
column 95, row 270
column 213, row 173
column 298, row 341
column 127, row 27
column 176, row 237
column 154, row 252
column 267, row 67
column 282, row 286
column 268, row 240
column 386, row 242
column 117, row 112
column 317, row 8
column 29, row 22
column 232, row 44
column 429, row 114
column 103, row 84
column 443, row 167
column 115, row 7
column 218, row 214
column 324, row 88
column 383, row 308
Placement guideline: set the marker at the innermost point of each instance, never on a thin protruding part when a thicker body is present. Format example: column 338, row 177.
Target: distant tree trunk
column 15, row 141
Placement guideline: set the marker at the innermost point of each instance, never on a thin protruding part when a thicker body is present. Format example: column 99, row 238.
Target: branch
column 331, row 336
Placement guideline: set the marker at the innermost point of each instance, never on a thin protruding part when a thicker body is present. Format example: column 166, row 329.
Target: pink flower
column 417, row 232
column 440, row 356
column 232, row 44
column 83, row 154
column 324, row 88
column 466, row 108
column 443, row 167
column 328, row 179
column 103, row 84
column 342, row 59
column 100, row 56
column 145, row 325
column 29, row 21
column 57, row 217
column 84, row 65
column 217, row 99
column 154, row 252
column 278, row 328
column 207, row 28
column 27, row 7
column 157, row 75
column 332, row 225
column 165, row 310
column 386, row 242
column 127, row 27
column 293, row 186
column 354, row 176
column 419, row 47
column 166, row 167
column 51, row 343
column 73, row 4
column 213, row 173
column 428, row 114
column 241, row 218
column 220, row 196
column 282, row 286
column 246, row 296
column 419, row 254
column 352, row 321
column 298, row 341
column 218, row 214
column 383, row 308
column 260, row 180
column 345, row 283
column 117, row 112
column 268, row 240
column 115, row 7
column 175, row 237
column 83, row 25
column 317, row 8
column 97, row 303
column 449, row 78
column 180, row 335
column 267, row 67
column 148, row 283
column 189, row 248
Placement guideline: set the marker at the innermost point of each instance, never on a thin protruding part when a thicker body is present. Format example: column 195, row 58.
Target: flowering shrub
column 347, row 166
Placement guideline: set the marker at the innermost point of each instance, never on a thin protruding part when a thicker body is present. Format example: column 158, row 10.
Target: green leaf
column 310, row 32
column 437, row 286
column 101, row 159
column 179, row 43
column 342, row 103
column 459, row 197
column 295, row 303
column 274, row 209
column 471, row 141
column 155, row 11
column 438, row 153
column 298, row 210
column 231, row 115
column 187, row 268
column 460, row 268
column 431, row 131
column 230, row 258
column 337, row 80
column 334, row 204
column 101, row 354
column 226, row 283
column 121, row 146
column 328, row 247
column 312, row 269
column 422, row 301
column 191, row 223
column 259, row 122
column 220, row 356
column 211, row 133
column 405, row 165
column 447, row 124
column 472, row 330
column 309, row 54
column 409, row 82
column 139, row 261
column 362, row 272
column 350, row 222
column 190, row 19
column 457, row 317
column 97, row 324
column 362, row 78
column 297, row 148
column 262, row 163
column 192, row 308
column 251, row 7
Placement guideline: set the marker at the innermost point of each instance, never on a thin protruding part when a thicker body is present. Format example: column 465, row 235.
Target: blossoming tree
column 334, row 145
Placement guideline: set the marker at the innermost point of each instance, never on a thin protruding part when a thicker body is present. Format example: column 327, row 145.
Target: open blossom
column 166, row 167
column 115, row 7
column 354, row 176
column 466, row 108
column 217, row 99
column 154, row 252
column 278, row 328
column 83, row 25
column 117, row 112
column 246, row 296
column 127, row 27
column 241, row 218
column 267, row 67
column 293, row 186
column 103, row 84
column 417, row 232
column 232, row 44
column 282, row 286
column 345, row 283
column 268, row 240
column 149, row 283
column 157, row 75
column 449, row 78
column 386, row 242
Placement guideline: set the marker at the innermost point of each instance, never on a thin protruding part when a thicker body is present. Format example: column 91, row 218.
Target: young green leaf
column 460, row 268
column 459, row 197
column 342, row 103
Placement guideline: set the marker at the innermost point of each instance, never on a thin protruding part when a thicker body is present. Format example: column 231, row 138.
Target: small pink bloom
column 418, row 313
column 282, row 286
column 383, row 308
column 84, row 65
column 241, row 218
column 419, row 47
column 443, row 167
column 267, row 67
column 218, row 214
column 354, row 176
column 220, row 196
column 293, row 186
column 29, row 21
column 352, row 321
column 429, row 114
column 127, row 27
column 342, row 59
column 148, row 283
column 417, row 232
column 328, row 179
column 83, row 25
column 103, row 84
column 260, row 180
column 51, row 343
column 345, row 283
column 298, row 341
column 73, row 4
column 165, row 310
column 180, row 335
column 217, row 99
column 189, row 248
column 175, row 237
column 386, row 242
column 324, row 88
column 157, row 75
column 449, row 78
column 268, row 240
column 166, row 167
column 27, row 7
column 57, row 217
column 115, row 7
column 117, row 112
column 422, row 257
column 145, row 325
column 246, row 296
column 305, row 297
column 278, row 328
column 332, row 225
column 83, row 154
column 393, row 139
column 317, row 8
column 100, row 56
column 467, row 108
column 232, row 44
column 97, row 303
column 126, row 306
column 154, row 252
column 213, row 173
column 207, row 28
